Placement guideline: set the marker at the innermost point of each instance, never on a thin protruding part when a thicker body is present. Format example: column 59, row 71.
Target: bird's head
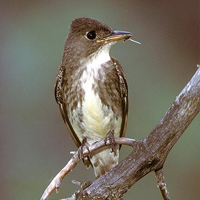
column 88, row 36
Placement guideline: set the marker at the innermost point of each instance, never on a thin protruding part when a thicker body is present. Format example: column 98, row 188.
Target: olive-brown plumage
column 91, row 89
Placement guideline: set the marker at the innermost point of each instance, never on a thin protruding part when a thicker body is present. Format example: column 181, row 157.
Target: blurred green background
column 34, row 143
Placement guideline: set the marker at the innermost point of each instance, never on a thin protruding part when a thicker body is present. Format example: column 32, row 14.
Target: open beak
column 117, row 35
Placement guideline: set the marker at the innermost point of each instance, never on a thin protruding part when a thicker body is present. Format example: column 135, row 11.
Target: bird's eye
column 91, row 35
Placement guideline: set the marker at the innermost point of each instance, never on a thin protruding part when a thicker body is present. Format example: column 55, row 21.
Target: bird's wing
column 59, row 96
column 58, row 92
column 124, row 95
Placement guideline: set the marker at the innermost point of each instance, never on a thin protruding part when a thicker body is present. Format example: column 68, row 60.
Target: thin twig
column 56, row 182
column 162, row 184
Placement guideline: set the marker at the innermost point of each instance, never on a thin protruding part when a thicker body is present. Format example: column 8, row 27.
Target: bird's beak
column 117, row 35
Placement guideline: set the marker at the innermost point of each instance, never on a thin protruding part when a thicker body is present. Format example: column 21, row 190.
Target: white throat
column 98, row 58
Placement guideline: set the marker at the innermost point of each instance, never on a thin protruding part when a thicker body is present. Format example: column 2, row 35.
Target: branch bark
column 161, row 184
column 150, row 153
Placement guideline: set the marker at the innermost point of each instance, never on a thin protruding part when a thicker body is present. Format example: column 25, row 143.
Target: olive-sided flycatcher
column 91, row 89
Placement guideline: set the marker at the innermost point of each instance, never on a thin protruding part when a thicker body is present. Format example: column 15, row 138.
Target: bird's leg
column 82, row 147
column 85, row 158
column 111, row 138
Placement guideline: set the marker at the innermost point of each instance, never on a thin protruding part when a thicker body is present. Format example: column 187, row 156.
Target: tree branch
column 161, row 184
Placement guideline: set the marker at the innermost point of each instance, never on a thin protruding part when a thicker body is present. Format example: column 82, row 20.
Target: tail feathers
column 86, row 162
column 105, row 160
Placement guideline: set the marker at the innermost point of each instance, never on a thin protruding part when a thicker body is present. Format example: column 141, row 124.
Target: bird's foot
column 82, row 148
column 111, row 138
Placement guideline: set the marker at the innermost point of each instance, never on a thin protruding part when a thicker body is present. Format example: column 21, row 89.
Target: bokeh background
column 34, row 143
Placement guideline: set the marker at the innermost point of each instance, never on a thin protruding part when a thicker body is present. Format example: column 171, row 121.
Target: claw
column 110, row 137
column 81, row 149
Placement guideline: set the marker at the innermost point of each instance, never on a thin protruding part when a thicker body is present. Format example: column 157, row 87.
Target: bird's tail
column 103, row 160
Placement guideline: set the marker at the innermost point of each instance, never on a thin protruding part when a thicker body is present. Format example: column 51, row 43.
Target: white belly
column 98, row 119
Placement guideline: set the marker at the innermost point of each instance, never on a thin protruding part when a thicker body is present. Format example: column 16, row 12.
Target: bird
column 91, row 90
